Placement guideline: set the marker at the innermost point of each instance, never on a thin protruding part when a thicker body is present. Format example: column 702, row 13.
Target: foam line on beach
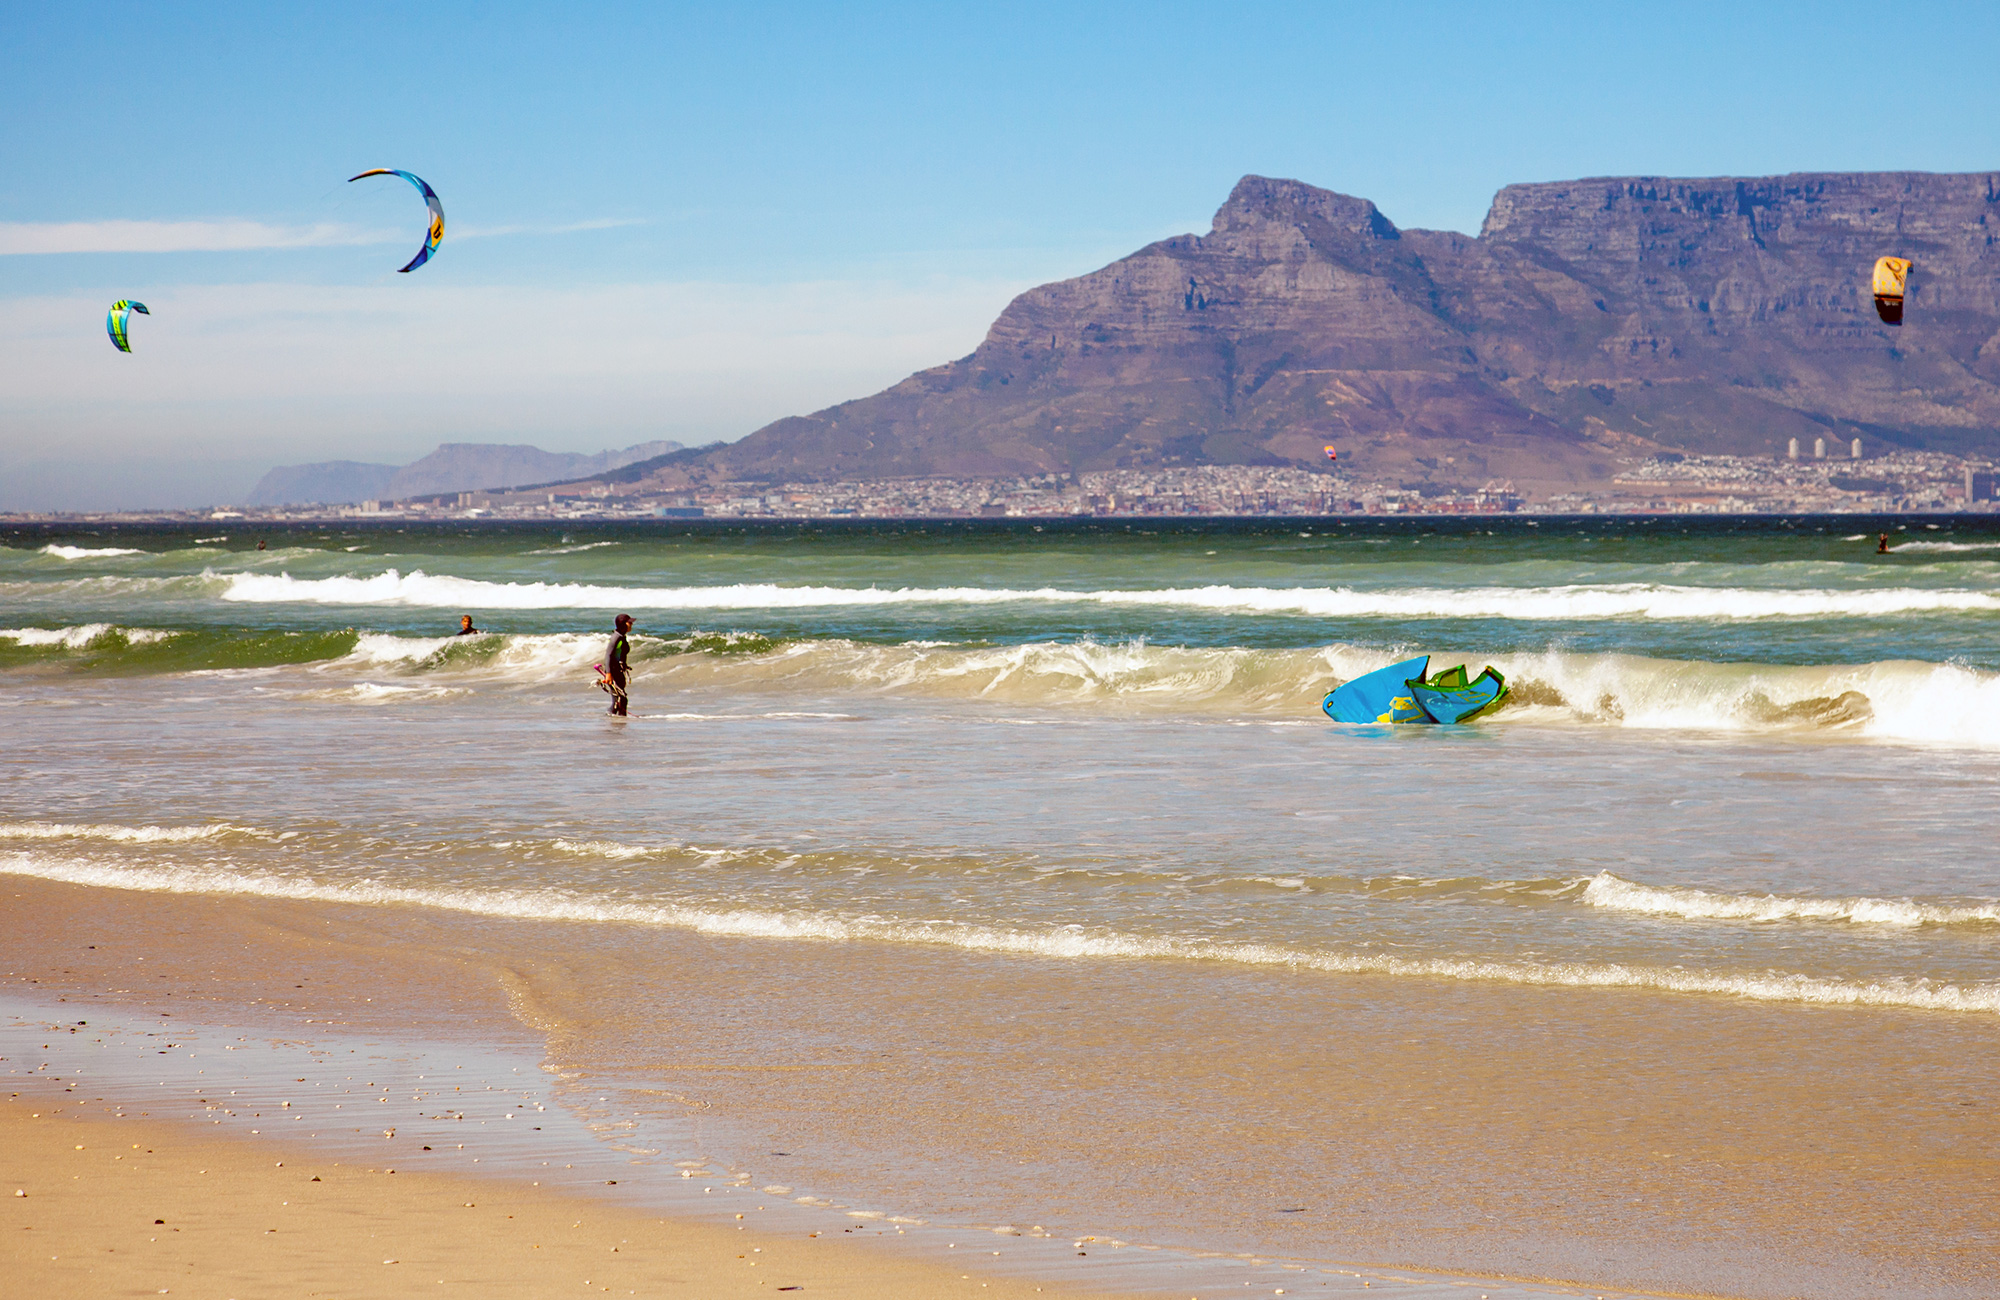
column 1610, row 893
column 1604, row 891
column 1071, row 943
column 1533, row 604
column 122, row 834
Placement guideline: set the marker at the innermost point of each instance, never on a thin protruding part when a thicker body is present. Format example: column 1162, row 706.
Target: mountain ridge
column 452, row 467
column 1588, row 319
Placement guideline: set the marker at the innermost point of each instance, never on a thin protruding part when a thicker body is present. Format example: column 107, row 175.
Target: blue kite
column 436, row 235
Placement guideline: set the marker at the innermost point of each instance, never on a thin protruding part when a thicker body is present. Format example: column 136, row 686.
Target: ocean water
column 1746, row 783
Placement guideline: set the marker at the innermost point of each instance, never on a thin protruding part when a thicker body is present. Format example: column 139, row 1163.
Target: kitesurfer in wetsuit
column 615, row 661
column 465, row 627
column 1882, row 544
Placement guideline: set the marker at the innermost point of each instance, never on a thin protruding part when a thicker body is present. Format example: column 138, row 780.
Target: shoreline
column 203, row 1039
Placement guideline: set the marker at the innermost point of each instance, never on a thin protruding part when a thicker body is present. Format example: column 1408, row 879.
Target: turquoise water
column 1794, row 592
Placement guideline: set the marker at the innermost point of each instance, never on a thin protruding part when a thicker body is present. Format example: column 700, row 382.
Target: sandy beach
column 104, row 1207
column 183, row 1033
column 204, row 1060
column 88, row 1174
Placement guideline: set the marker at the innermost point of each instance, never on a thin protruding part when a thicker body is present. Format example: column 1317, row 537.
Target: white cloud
column 286, row 373
column 26, row 237
column 174, row 236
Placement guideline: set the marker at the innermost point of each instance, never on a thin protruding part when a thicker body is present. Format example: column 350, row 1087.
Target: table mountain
column 1588, row 318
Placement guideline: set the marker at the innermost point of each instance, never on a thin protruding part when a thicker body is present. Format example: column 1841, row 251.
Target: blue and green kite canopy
column 114, row 322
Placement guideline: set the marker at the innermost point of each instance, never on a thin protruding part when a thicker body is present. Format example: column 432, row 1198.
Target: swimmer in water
column 465, row 627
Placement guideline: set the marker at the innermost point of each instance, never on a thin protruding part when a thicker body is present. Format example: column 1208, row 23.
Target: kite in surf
column 1404, row 693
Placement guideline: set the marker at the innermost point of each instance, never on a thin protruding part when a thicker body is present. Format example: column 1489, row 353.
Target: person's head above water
column 465, row 621
column 622, row 622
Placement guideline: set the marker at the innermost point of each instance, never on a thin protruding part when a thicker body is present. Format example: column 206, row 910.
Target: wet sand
column 100, row 1207
column 1680, row 1145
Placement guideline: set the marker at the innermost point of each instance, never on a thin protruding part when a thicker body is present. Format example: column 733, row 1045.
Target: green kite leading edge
column 436, row 234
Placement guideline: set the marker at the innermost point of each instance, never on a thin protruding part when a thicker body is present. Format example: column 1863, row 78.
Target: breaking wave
column 1533, row 604
column 1064, row 942
column 83, row 636
column 508, row 658
column 88, row 552
column 1894, row 700
column 1613, row 894
column 1906, row 701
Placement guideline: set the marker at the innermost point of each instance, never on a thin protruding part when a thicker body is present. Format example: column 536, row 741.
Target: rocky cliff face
column 1588, row 318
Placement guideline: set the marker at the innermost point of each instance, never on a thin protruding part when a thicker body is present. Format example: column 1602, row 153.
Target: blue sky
column 687, row 220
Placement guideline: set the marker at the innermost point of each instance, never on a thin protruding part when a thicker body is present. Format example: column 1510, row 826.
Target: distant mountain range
column 453, row 467
column 1589, row 319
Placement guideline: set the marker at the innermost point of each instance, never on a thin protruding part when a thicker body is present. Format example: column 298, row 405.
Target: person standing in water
column 615, row 660
column 465, row 627
column 1882, row 544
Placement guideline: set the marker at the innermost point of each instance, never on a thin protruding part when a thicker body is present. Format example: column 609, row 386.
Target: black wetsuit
column 614, row 667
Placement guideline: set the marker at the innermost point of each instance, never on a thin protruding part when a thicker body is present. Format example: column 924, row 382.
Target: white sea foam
column 82, row 636
column 572, row 550
column 493, row 658
column 1071, row 943
column 118, row 834
column 608, row 849
column 69, row 638
column 1893, row 700
column 88, row 552
column 1946, row 546
column 386, row 693
column 373, row 648
column 1613, row 894
column 1535, row 604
